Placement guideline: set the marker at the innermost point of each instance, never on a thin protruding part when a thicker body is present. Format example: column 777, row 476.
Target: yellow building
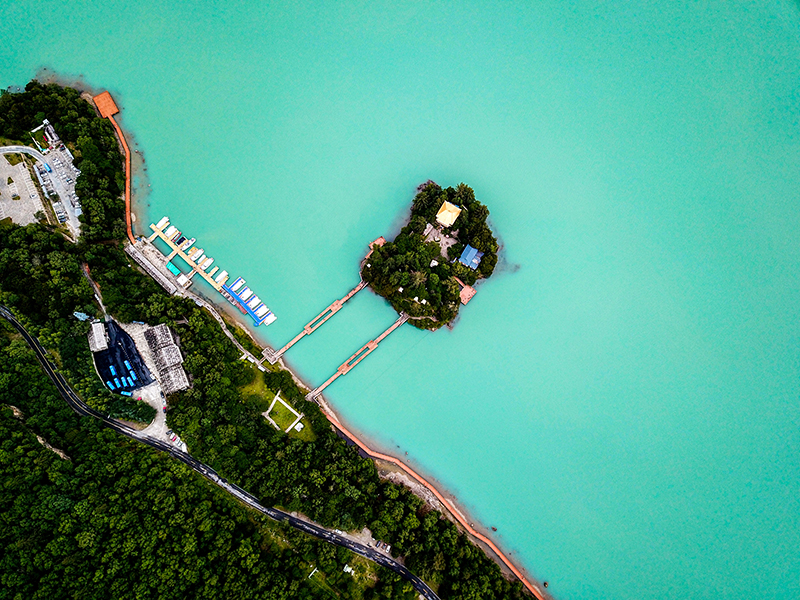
column 447, row 214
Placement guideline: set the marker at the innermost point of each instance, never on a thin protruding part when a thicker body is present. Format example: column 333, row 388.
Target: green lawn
column 260, row 397
column 282, row 415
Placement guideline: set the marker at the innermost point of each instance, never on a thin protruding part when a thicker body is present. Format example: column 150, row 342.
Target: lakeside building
column 470, row 257
column 448, row 213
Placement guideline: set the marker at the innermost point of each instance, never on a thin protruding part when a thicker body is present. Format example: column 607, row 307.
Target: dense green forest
column 212, row 546
column 92, row 142
column 115, row 519
column 405, row 271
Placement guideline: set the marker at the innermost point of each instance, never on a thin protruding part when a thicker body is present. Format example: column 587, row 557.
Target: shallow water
column 621, row 399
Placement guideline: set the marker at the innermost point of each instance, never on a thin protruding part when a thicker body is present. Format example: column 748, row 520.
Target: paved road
column 58, row 185
column 308, row 527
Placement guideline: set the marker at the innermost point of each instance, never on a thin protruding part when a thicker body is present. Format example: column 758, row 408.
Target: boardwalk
column 534, row 589
column 272, row 357
column 108, row 108
column 159, row 232
column 360, row 355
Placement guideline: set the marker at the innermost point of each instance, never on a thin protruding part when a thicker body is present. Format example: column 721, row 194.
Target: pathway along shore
column 108, row 108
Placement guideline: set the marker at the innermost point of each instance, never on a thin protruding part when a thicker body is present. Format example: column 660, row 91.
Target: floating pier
column 360, row 355
column 238, row 295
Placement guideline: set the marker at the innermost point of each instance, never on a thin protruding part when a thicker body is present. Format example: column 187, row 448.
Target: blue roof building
column 470, row 257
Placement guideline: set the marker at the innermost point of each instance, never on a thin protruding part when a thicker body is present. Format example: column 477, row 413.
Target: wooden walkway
column 272, row 357
column 108, row 108
column 174, row 250
column 360, row 355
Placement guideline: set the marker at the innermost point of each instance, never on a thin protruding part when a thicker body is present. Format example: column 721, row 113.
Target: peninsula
column 431, row 265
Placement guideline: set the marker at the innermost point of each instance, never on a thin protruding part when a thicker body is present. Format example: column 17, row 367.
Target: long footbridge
column 359, row 355
column 272, row 357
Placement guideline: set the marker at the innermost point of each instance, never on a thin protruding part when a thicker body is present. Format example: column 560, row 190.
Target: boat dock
column 237, row 294
column 360, row 355
column 166, row 233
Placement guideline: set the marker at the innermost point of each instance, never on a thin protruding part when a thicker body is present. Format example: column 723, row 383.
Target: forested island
column 107, row 517
column 445, row 246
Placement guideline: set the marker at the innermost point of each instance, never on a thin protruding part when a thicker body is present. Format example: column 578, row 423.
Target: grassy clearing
column 282, row 415
column 13, row 159
column 365, row 571
column 39, row 136
column 257, row 395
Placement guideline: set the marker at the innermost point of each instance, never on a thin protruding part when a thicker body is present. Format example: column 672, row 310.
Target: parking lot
column 23, row 210
column 61, row 176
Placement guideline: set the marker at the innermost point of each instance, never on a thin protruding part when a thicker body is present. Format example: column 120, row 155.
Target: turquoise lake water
column 621, row 399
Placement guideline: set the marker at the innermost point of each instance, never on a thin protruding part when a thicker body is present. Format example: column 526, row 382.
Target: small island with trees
column 429, row 268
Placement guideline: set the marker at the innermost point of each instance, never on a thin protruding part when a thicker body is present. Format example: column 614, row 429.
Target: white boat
column 261, row 311
column 199, row 257
column 170, row 231
column 254, row 301
column 206, row 263
column 162, row 223
column 237, row 284
column 221, row 276
column 187, row 244
column 245, row 295
column 269, row 319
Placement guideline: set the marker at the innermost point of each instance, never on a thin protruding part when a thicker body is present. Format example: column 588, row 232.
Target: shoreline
column 388, row 466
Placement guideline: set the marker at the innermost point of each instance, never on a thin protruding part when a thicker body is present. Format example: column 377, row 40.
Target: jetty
column 108, row 108
column 237, row 293
column 159, row 230
column 271, row 356
column 357, row 357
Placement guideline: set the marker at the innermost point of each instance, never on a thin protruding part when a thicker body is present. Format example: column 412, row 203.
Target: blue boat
column 113, row 370
column 244, row 295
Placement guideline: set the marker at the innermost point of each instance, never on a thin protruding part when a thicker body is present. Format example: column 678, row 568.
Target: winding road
column 308, row 527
